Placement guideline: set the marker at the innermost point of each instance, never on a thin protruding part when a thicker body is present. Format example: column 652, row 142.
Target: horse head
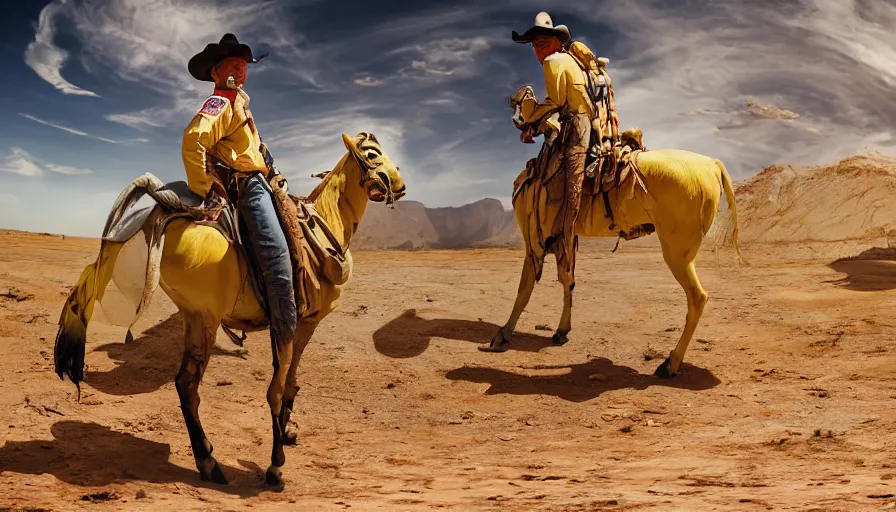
column 379, row 176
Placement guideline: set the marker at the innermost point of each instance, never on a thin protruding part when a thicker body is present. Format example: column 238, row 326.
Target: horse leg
column 567, row 278
column 199, row 336
column 501, row 341
column 681, row 263
column 276, row 390
column 303, row 336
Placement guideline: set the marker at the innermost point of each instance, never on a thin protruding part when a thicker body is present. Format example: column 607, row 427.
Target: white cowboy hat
column 544, row 26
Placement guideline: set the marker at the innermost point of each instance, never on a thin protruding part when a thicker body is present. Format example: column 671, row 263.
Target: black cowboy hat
column 543, row 27
column 201, row 64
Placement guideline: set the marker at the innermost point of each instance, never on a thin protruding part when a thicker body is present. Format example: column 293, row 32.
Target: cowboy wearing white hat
column 567, row 94
column 225, row 130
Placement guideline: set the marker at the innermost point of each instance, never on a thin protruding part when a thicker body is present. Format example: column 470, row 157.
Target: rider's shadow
column 145, row 364
column 873, row 270
column 582, row 382
column 409, row 335
column 90, row 455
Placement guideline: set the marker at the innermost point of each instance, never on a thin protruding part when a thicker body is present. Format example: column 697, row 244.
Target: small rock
column 100, row 496
column 888, row 476
column 599, row 377
column 626, row 429
column 542, row 327
column 141, row 494
column 505, row 437
column 651, row 423
column 652, row 353
column 390, row 385
column 531, row 423
column 224, row 383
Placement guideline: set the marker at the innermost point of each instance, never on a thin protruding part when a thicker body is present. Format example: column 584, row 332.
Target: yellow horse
column 682, row 196
column 206, row 278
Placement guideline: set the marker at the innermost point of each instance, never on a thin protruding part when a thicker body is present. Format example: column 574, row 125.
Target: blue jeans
column 268, row 244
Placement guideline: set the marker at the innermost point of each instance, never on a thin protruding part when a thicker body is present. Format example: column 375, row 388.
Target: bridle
column 369, row 174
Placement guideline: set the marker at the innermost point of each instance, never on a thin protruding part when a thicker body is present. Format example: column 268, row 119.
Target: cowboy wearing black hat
column 225, row 130
column 567, row 94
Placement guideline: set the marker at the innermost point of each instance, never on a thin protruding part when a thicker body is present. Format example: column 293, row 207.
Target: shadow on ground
column 147, row 363
column 580, row 382
column 873, row 270
column 88, row 454
column 408, row 335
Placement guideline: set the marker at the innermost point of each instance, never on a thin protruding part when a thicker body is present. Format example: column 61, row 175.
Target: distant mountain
column 411, row 225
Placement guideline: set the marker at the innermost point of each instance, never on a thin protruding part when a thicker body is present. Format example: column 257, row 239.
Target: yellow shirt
column 226, row 131
column 565, row 86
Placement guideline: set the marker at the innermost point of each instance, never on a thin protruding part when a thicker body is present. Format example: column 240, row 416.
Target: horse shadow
column 872, row 270
column 408, row 335
column 91, row 455
column 582, row 382
column 145, row 364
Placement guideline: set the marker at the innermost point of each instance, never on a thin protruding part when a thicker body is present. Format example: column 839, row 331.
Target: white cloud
column 21, row 163
column 832, row 61
column 368, row 81
column 45, row 58
column 144, row 119
column 8, row 199
column 449, row 57
column 64, row 169
column 66, row 129
column 149, row 42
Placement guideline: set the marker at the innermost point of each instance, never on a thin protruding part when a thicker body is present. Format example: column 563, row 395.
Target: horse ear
column 352, row 147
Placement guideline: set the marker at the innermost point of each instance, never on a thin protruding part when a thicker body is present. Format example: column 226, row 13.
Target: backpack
column 599, row 87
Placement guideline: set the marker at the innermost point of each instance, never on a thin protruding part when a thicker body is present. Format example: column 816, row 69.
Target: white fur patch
column 123, row 294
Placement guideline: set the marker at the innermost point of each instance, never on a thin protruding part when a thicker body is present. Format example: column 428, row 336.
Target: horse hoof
column 216, row 475
column 559, row 339
column 290, row 437
column 274, row 476
column 664, row 371
column 500, row 343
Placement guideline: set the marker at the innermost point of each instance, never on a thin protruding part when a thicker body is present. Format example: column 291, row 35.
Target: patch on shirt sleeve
column 214, row 105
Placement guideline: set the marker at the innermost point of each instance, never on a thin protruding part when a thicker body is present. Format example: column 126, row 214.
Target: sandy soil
column 785, row 402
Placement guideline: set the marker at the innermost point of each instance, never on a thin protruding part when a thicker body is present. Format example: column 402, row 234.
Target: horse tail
column 71, row 339
column 732, row 207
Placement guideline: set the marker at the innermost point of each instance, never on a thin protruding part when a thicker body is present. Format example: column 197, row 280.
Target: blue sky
column 96, row 92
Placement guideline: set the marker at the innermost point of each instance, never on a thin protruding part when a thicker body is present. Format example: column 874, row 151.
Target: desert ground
column 784, row 403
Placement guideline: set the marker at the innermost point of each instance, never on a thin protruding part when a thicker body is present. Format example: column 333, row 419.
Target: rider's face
column 231, row 66
column 545, row 45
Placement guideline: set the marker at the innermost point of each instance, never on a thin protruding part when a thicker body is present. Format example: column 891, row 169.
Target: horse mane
column 330, row 185
column 323, row 187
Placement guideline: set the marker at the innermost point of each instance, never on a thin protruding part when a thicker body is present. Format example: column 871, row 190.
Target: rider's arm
column 204, row 131
column 555, row 85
